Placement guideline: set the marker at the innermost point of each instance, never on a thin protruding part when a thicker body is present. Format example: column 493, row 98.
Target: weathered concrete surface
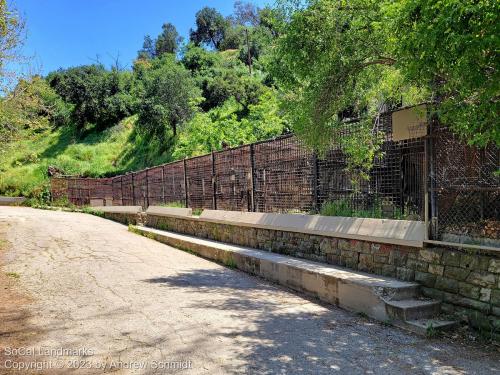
column 169, row 211
column 120, row 209
column 398, row 232
column 129, row 298
column 352, row 290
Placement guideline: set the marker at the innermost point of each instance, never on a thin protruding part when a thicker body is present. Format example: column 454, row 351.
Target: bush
column 99, row 97
column 168, row 97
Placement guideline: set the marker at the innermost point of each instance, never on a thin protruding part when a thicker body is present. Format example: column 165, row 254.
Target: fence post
column 121, row 190
column 186, row 184
column 252, row 177
column 426, row 188
column 315, row 182
column 434, row 212
column 214, row 186
column 147, row 190
column 163, row 184
column 133, row 190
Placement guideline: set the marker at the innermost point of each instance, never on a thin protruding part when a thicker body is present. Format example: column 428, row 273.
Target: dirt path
column 87, row 293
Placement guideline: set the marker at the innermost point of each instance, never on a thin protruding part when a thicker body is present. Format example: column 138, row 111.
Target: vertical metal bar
column 426, row 188
column 163, row 184
column 133, row 190
column 214, row 186
column 121, row 190
column 147, row 190
column 434, row 212
column 315, row 182
column 482, row 154
column 186, row 195
column 252, row 177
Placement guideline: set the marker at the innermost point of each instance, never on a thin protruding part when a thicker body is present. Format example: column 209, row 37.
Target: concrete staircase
column 382, row 298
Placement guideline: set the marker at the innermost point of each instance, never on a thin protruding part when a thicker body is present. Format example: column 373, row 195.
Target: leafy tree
column 222, row 76
column 451, row 47
column 246, row 14
column 168, row 41
column 198, row 60
column 32, row 106
column 234, row 38
column 211, row 27
column 148, row 50
column 169, row 97
column 208, row 131
column 100, row 97
column 333, row 64
column 356, row 58
column 11, row 29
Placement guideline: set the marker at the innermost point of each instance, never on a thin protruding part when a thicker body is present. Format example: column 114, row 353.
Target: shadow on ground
column 293, row 336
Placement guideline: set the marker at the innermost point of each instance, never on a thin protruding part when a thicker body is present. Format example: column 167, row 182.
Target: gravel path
column 133, row 305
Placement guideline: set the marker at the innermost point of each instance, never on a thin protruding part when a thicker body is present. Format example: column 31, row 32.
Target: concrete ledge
column 119, row 209
column 11, row 201
column 355, row 291
column 397, row 232
column 169, row 211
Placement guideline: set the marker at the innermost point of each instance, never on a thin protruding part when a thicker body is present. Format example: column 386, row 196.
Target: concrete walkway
column 85, row 283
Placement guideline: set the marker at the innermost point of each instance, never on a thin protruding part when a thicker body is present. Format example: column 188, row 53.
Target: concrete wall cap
column 119, row 209
column 169, row 211
column 398, row 232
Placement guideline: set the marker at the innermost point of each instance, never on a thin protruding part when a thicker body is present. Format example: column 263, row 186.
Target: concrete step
column 411, row 309
column 426, row 327
column 382, row 298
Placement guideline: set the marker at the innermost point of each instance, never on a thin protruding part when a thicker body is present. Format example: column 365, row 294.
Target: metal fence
column 434, row 177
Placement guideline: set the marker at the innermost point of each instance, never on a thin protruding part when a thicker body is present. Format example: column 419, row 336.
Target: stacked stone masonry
column 466, row 281
column 124, row 218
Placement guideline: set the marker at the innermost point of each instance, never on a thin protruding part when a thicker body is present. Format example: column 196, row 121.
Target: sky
column 64, row 33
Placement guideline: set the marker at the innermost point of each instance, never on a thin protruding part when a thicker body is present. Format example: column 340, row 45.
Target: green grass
column 197, row 211
column 93, row 211
column 430, row 331
column 230, row 262
column 24, row 163
column 173, row 204
column 342, row 207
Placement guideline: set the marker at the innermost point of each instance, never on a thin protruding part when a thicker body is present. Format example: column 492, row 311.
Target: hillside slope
column 24, row 163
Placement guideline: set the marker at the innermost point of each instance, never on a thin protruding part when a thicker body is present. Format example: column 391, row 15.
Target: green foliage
column 338, row 60
column 148, row 50
column 211, row 27
column 11, row 29
column 222, row 76
column 100, row 97
column 92, row 211
column 223, row 126
column 230, row 262
column 168, row 99
column 24, row 162
column 165, row 108
column 168, row 41
column 173, row 204
column 346, row 208
column 197, row 211
column 452, row 47
column 31, row 106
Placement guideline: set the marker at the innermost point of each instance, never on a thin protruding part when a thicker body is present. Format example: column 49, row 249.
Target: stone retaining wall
column 123, row 217
column 468, row 282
